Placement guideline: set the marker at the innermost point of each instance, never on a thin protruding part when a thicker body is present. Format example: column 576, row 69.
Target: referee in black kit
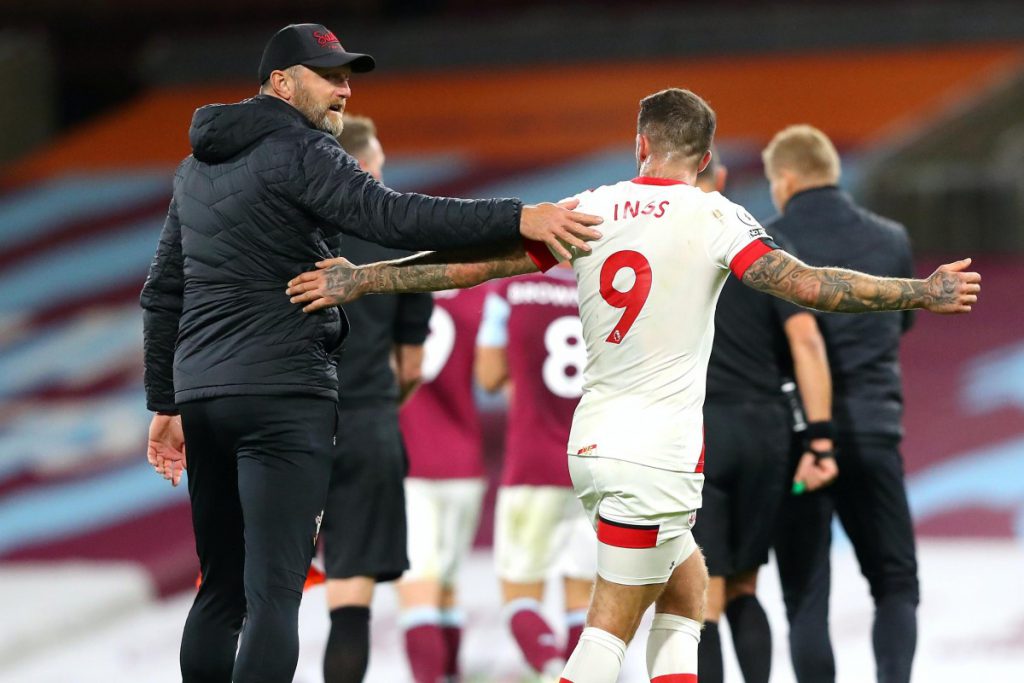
column 364, row 529
column 827, row 228
column 759, row 340
column 251, row 374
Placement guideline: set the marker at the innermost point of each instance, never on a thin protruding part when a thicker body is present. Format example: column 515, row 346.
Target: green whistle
column 799, row 487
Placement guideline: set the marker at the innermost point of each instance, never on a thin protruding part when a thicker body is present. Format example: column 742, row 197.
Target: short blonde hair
column 804, row 150
column 356, row 135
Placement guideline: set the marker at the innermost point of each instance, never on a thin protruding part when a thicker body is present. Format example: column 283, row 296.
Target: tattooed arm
column 337, row 281
column 947, row 290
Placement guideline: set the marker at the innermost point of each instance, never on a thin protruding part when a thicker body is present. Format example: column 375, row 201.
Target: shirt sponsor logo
column 543, row 293
column 587, row 450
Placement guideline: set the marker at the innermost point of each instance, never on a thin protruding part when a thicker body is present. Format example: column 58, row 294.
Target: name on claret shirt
column 541, row 293
column 628, row 209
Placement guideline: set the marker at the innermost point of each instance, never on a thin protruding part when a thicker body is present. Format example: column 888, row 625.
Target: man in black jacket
column 828, row 228
column 253, row 379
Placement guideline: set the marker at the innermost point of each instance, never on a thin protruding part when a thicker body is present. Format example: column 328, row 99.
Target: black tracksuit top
column 251, row 208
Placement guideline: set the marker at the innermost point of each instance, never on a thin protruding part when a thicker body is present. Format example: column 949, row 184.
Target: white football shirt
column 647, row 294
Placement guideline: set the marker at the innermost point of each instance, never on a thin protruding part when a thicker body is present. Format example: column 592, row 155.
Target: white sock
column 596, row 659
column 672, row 647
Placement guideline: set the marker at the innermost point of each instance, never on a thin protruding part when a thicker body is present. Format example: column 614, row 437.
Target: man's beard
column 319, row 115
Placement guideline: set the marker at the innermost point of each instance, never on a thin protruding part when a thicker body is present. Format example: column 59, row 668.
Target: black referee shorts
column 364, row 528
column 746, row 470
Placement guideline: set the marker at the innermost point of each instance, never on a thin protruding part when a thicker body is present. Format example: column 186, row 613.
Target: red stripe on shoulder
column 540, row 255
column 675, row 678
column 747, row 256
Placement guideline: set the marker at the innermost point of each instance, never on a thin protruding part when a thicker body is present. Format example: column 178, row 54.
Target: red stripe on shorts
column 623, row 535
column 675, row 678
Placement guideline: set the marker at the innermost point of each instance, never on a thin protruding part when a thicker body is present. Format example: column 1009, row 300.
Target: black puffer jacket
column 250, row 210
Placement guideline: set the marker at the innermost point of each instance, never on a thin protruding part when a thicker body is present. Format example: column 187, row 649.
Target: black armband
column 822, row 429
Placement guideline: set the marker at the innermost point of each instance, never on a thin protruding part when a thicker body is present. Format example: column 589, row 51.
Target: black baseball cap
column 309, row 45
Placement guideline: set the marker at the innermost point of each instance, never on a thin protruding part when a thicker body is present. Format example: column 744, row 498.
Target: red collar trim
column 647, row 180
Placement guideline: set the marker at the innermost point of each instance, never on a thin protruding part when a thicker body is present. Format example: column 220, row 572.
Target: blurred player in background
column 648, row 291
column 531, row 341
column 827, row 227
column 759, row 339
column 444, row 488
column 364, row 529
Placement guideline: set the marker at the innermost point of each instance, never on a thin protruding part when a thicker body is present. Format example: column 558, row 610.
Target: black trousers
column 258, row 469
column 871, row 501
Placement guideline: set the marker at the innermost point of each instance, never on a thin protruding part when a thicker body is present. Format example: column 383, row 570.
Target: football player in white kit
column 648, row 289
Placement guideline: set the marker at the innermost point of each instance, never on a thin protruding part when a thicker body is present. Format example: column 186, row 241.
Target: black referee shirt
column 378, row 323
column 751, row 354
column 828, row 229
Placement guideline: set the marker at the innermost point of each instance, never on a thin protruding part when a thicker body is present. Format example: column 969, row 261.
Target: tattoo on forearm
column 430, row 271
column 846, row 291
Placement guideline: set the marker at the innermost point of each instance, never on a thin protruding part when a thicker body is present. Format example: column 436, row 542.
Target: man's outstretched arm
column 948, row 290
column 338, row 282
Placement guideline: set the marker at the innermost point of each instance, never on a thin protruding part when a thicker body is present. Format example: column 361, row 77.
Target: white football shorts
column 643, row 517
column 442, row 516
column 540, row 531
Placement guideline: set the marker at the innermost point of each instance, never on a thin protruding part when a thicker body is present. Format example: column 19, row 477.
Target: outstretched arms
column 948, row 290
column 330, row 184
column 338, row 282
